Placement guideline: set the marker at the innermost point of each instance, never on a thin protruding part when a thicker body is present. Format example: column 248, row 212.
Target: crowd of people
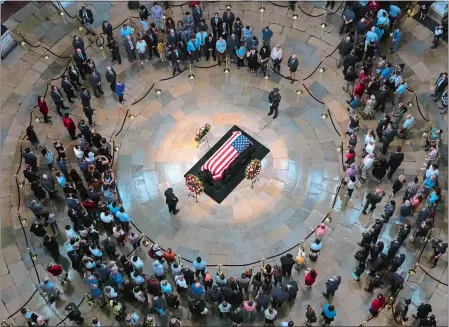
column 118, row 281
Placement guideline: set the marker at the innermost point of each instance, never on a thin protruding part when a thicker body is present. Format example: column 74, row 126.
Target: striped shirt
column 412, row 187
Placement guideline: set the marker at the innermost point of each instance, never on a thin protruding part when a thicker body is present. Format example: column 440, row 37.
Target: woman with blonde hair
column 397, row 184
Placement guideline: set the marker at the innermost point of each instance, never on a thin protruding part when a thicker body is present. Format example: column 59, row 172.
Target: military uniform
column 275, row 98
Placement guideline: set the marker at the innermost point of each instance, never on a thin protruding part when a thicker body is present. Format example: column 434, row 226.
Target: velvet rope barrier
column 81, row 302
column 258, row 261
column 23, row 306
column 305, row 87
column 26, row 41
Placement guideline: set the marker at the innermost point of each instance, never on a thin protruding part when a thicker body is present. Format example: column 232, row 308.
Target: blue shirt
column 429, row 183
column 112, row 209
column 316, row 247
column 166, row 288
column 247, row 34
column 267, row 34
column 433, row 198
column 199, row 265
column 394, row 11
column 200, row 37
column 382, row 20
column 241, row 51
column 191, row 46
column 96, row 252
column 371, row 36
column 386, row 73
column 379, row 32
column 380, row 13
column 137, row 279
column 328, row 313
column 123, row 217
column 396, row 35
column 408, row 123
column 119, row 89
column 221, row 45
column 124, row 32
column 401, row 88
column 117, row 278
column 61, row 180
column 197, row 291
column 48, row 159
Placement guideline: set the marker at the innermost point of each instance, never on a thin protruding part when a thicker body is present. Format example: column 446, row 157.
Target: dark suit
column 228, row 18
column 80, row 61
column 74, row 76
column 58, row 99
column 175, row 58
column 87, row 17
column 111, row 78
column 85, row 98
column 95, row 81
column 394, row 162
column 388, row 137
column 440, row 86
column 68, row 89
column 197, row 15
column 215, row 25
column 88, row 111
column 131, row 52
column 78, row 44
column 107, row 30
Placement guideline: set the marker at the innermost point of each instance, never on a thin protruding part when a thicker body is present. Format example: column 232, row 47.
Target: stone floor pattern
column 299, row 178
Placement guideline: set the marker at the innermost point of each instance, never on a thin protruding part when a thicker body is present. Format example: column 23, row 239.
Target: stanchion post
column 262, row 10
column 226, row 70
column 191, row 75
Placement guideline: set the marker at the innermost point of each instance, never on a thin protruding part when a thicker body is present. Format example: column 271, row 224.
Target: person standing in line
column 68, row 88
column 440, row 85
column 58, row 99
column 43, row 108
column 89, row 112
column 130, row 47
column 141, row 47
column 192, row 50
column 171, row 200
column 344, row 49
column 396, row 39
column 157, row 13
column 111, row 77
column 275, row 99
column 293, row 64
column 107, row 30
column 229, row 18
column 115, row 51
column 80, row 60
column 215, row 23
column 95, row 81
column 50, row 289
column 221, row 49
column 276, row 57
column 267, row 34
column 328, row 314
column 395, row 161
column 30, row 158
column 175, row 57
column 32, row 137
column 120, row 91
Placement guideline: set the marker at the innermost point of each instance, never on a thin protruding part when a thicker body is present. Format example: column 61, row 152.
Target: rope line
column 81, row 302
column 23, row 306
column 27, row 42
column 137, row 101
column 312, row 94
column 333, row 124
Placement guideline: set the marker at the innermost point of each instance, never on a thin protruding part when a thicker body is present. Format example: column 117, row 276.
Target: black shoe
column 364, row 212
column 368, row 290
column 270, row 113
column 383, row 216
column 325, row 295
column 71, row 101
column 274, row 117
column 176, row 211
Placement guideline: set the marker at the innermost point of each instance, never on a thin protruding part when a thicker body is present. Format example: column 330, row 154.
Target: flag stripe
column 223, row 158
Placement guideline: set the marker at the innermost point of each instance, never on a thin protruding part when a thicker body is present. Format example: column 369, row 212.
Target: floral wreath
column 201, row 133
column 253, row 169
column 194, row 184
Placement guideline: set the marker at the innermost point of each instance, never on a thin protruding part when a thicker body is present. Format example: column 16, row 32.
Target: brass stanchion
column 191, row 75
column 226, row 70
column 262, row 10
column 158, row 90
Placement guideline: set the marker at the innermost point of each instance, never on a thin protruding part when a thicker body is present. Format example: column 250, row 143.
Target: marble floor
column 299, row 179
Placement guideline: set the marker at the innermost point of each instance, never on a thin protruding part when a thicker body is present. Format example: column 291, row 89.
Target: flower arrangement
column 194, row 184
column 201, row 133
column 253, row 169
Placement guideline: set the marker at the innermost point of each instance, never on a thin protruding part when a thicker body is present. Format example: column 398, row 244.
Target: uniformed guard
column 275, row 98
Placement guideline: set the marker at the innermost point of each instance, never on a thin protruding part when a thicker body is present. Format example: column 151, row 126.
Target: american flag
column 225, row 156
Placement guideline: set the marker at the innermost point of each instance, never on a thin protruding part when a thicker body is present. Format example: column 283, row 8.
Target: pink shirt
column 247, row 308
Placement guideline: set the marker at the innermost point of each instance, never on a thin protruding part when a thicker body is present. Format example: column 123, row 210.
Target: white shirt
column 351, row 184
column 369, row 138
column 369, row 148
column 368, row 162
column 78, row 153
column 180, row 283
column 106, row 218
column 276, row 54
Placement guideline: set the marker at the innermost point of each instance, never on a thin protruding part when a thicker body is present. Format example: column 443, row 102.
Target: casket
column 234, row 154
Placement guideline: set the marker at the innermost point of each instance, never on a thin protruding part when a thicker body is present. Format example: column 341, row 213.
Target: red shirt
column 42, row 106
column 359, row 89
column 68, row 123
column 309, row 280
column 377, row 304
column 55, row 270
column 88, row 204
column 350, row 155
